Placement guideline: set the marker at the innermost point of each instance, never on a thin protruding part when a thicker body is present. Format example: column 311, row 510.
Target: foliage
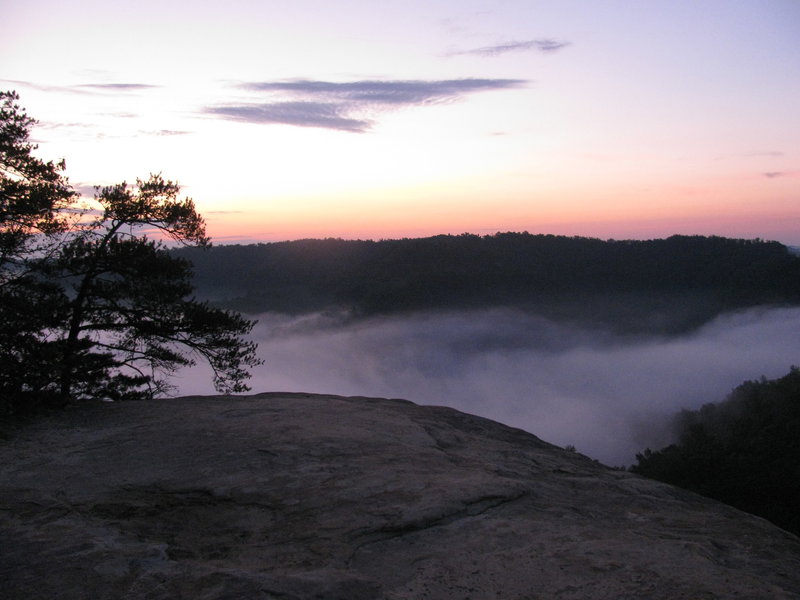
column 35, row 198
column 128, row 309
column 91, row 305
column 668, row 285
column 33, row 193
column 744, row 451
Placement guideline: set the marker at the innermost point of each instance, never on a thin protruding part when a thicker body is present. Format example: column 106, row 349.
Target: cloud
column 83, row 88
column 300, row 114
column 779, row 174
column 166, row 132
column 76, row 130
column 610, row 396
column 547, row 46
column 57, row 125
column 387, row 92
column 117, row 87
column 348, row 106
column 42, row 87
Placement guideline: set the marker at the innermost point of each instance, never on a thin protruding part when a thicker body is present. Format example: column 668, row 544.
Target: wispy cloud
column 57, row 125
column 347, row 106
column 117, row 87
column 82, row 88
column 19, row 83
column 781, row 174
column 545, row 45
column 301, row 114
column 387, row 92
column 166, row 132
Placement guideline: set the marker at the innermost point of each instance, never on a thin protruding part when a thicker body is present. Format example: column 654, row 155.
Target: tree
column 35, row 197
column 33, row 194
column 90, row 305
column 129, row 315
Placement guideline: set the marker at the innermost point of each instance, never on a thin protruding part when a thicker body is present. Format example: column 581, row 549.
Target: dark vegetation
column 744, row 451
column 667, row 285
column 90, row 306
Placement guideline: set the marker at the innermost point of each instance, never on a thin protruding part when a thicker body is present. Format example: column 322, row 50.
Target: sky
column 624, row 119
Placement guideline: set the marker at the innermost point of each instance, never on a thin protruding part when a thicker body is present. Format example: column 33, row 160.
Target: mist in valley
column 610, row 395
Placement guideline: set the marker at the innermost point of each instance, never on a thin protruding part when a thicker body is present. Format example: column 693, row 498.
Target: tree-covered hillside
column 744, row 451
column 660, row 285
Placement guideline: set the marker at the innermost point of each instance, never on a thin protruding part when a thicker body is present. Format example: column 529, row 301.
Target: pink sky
column 612, row 119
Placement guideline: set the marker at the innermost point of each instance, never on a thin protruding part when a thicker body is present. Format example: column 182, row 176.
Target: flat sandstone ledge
column 297, row 496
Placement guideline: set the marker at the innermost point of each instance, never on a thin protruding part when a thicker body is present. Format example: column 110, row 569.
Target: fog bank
column 608, row 395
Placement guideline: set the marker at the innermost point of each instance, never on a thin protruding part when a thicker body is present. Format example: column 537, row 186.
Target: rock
column 297, row 496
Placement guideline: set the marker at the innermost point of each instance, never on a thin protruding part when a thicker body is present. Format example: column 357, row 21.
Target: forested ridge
column 671, row 284
column 743, row 451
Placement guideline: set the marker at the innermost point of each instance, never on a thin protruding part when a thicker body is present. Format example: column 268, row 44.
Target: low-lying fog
column 609, row 396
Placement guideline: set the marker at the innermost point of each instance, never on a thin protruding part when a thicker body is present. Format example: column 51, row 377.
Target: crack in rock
column 472, row 508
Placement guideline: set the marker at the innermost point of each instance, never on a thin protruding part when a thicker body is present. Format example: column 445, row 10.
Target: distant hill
column 665, row 285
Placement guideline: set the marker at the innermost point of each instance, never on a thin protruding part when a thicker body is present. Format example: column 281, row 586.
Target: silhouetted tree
column 90, row 306
column 34, row 200
column 33, row 193
column 129, row 315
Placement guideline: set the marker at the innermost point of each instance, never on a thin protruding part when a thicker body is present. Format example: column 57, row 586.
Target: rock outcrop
column 295, row 496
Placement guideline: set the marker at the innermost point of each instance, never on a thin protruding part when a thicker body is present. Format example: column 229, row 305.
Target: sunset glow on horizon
column 616, row 119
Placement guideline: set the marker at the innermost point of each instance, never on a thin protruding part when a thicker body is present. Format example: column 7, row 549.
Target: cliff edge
column 299, row 496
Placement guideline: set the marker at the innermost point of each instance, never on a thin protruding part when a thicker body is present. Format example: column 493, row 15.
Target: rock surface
column 295, row 496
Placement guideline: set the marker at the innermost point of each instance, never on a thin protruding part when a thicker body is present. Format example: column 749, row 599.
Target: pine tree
column 92, row 303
